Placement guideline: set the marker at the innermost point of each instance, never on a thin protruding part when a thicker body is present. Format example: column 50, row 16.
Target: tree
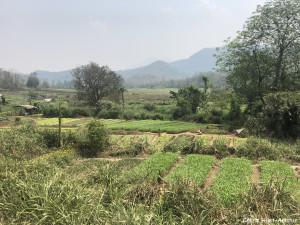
column 33, row 81
column 281, row 114
column 188, row 100
column 122, row 90
column 264, row 57
column 93, row 83
column 32, row 96
column 45, row 84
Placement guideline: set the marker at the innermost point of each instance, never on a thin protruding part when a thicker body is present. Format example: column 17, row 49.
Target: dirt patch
column 110, row 159
column 231, row 142
column 5, row 123
column 256, row 173
column 154, row 138
column 120, row 139
column 297, row 170
column 180, row 159
column 211, row 176
column 212, row 140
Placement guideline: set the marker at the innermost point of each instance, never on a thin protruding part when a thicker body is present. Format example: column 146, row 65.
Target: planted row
column 155, row 126
column 183, row 143
column 150, row 168
column 278, row 172
column 232, row 179
column 194, row 168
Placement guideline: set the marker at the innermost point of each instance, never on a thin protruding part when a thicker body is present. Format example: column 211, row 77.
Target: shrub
column 113, row 113
column 149, row 106
column 96, row 141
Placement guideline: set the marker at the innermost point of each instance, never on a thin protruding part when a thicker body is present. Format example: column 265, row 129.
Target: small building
column 27, row 109
column 47, row 100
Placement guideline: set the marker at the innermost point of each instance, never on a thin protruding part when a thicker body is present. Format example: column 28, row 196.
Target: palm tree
column 122, row 90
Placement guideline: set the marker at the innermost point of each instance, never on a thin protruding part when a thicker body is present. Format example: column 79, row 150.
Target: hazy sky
column 57, row 35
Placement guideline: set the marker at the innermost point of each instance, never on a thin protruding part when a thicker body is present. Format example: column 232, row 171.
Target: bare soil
column 256, row 173
column 180, row 159
column 211, row 176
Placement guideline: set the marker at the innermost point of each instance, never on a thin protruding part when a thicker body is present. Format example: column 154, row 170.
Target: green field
column 233, row 179
column 194, row 168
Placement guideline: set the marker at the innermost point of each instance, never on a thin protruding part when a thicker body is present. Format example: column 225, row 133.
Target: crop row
column 155, row 125
column 194, row 168
column 180, row 144
column 277, row 171
column 232, row 179
column 150, row 168
column 54, row 121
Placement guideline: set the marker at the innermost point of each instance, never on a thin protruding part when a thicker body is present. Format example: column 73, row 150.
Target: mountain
column 54, row 76
column 201, row 61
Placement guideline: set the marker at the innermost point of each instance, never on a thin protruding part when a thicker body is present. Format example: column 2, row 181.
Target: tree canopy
column 93, row 83
column 33, row 81
column 265, row 56
column 188, row 100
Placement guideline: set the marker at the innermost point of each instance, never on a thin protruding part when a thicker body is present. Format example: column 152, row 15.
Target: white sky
column 58, row 35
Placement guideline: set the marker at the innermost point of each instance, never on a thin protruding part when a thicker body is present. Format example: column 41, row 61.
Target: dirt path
column 110, row 159
column 212, row 140
column 180, row 159
column 154, row 139
column 211, row 176
column 120, row 139
column 256, row 173
column 231, row 142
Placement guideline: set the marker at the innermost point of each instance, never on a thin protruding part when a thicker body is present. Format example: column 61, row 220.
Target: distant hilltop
column 201, row 61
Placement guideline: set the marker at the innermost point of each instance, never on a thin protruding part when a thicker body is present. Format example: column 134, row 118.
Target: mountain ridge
column 201, row 61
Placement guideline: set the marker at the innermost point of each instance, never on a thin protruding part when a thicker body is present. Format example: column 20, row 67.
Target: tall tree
column 265, row 56
column 122, row 90
column 33, row 81
column 94, row 83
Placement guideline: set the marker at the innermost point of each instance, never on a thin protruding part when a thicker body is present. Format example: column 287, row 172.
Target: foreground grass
column 279, row 172
column 60, row 189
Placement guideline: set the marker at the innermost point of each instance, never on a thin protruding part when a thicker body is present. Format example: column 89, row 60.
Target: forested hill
column 201, row 61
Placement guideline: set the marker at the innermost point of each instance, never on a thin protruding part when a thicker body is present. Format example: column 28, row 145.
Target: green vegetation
column 183, row 144
column 48, row 177
column 233, row 180
column 54, row 121
column 151, row 167
column 238, row 142
column 161, row 142
column 194, row 168
column 171, row 127
column 221, row 142
column 277, row 171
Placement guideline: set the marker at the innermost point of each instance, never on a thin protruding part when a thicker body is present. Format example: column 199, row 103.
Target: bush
column 50, row 138
column 256, row 148
column 96, row 141
column 113, row 113
column 51, row 110
column 149, row 106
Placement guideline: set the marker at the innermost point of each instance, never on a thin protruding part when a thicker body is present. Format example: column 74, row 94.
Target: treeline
column 217, row 79
column 11, row 80
column 14, row 81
